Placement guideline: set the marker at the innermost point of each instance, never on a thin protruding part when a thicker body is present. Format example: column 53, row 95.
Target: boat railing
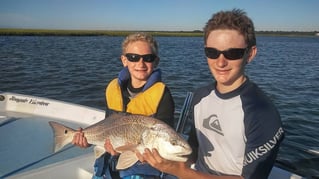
column 184, row 112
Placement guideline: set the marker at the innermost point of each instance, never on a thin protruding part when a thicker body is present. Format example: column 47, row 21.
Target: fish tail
column 62, row 135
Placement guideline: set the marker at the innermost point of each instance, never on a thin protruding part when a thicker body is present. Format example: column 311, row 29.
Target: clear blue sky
column 185, row 15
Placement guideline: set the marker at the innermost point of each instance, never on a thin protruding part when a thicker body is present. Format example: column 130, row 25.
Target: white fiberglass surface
column 27, row 143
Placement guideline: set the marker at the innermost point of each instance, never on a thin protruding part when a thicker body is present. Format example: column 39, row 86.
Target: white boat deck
column 27, row 143
column 27, row 139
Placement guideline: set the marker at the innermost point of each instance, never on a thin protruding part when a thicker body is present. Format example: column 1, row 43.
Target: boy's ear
column 124, row 60
column 252, row 54
column 156, row 62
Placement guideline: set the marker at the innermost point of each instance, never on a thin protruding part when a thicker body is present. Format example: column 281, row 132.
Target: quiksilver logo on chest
column 212, row 123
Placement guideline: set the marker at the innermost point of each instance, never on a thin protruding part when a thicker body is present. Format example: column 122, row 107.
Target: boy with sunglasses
column 237, row 129
column 137, row 90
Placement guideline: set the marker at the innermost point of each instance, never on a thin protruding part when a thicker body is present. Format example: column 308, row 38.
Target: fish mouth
column 183, row 155
column 184, row 152
column 181, row 158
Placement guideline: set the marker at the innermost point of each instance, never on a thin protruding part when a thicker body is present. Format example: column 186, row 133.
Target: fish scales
column 119, row 130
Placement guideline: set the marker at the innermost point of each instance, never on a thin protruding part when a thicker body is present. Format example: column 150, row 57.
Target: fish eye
column 174, row 142
column 65, row 131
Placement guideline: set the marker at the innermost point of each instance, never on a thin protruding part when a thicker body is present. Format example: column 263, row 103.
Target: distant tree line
column 195, row 33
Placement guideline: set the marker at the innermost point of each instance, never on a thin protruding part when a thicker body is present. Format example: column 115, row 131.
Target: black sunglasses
column 132, row 57
column 231, row 54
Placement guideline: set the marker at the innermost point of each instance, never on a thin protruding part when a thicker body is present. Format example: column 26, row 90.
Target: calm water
column 77, row 69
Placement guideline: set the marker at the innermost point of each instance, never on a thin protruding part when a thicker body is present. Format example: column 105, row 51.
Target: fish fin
column 62, row 135
column 98, row 151
column 127, row 147
column 126, row 160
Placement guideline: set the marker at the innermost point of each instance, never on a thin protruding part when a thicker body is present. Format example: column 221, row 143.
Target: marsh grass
column 196, row 33
column 48, row 32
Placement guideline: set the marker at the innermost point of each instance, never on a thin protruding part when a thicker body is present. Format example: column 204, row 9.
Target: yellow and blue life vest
column 144, row 103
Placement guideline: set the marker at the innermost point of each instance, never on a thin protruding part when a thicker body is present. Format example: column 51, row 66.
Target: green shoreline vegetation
column 48, row 32
column 196, row 33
